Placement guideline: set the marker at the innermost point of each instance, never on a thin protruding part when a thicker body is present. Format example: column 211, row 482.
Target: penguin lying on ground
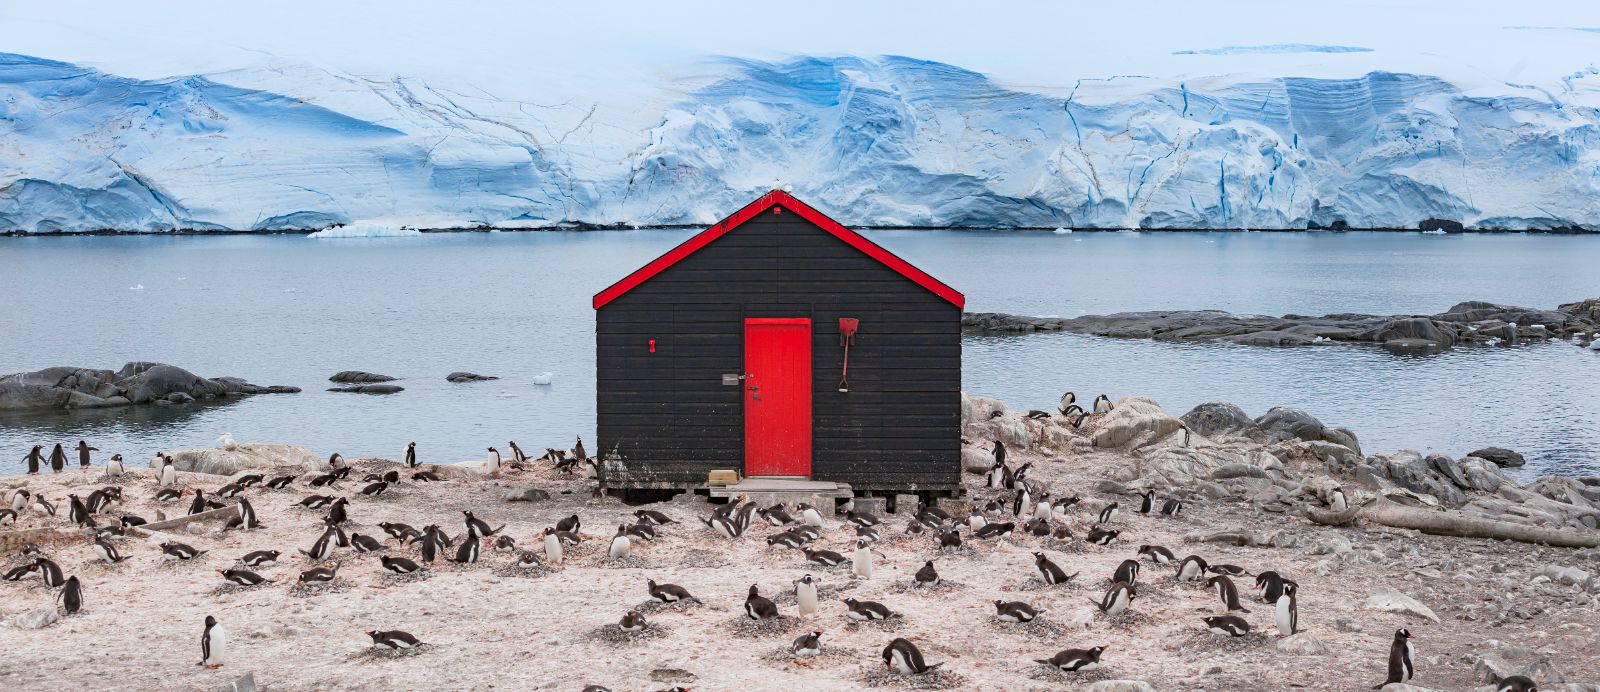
column 903, row 658
column 1231, row 625
column 1015, row 611
column 394, row 639
column 1074, row 659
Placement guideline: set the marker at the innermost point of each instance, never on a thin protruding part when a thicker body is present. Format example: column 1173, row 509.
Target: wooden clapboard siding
column 672, row 420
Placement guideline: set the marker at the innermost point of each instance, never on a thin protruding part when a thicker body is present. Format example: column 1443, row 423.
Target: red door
column 777, row 397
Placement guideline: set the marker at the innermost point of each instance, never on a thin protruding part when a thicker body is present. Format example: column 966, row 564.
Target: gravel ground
column 492, row 625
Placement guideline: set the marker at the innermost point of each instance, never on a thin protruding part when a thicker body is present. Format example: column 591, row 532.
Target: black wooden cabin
column 728, row 352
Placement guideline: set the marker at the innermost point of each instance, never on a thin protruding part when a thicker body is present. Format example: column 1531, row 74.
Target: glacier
column 882, row 141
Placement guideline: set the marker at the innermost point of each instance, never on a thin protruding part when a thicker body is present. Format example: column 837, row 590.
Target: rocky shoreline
column 1468, row 323
column 136, row 383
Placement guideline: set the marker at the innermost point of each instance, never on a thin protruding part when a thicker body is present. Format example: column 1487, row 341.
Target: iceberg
column 366, row 229
column 884, row 141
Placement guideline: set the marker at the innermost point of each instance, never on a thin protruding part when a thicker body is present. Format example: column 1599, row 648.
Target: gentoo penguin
column 902, row 658
column 280, row 482
column 201, row 504
column 1074, row 659
column 572, row 523
column 242, row 577
column 1117, row 599
column 107, row 552
column 517, row 454
column 668, row 593
column 552, row 547
column 975, row 519
column 758, row 607
column 1037, row 527
column 867, row 533
column 21, row 572
column 1516, row 683
column 776, row 515
column 1061, row 533
column 337, row 514
column 1050, row 572
column 1128, row 571
column 336, row 461
column 179, row 551
column 249, row 480
column 1147, row 502
column 229, row 491
column 399, row 565
column 1042, row 511
column 71, row 595
column 914, row 527
column 927, row 576
column 863, row 611
column 1108, row 513
column 744, row 516
column 1227, row 592
column 1067, row 401
column 654, row 518
column 19, row 499
column 323, row 480
column 1076, row 420
column 507, row 544
column 322, row 549
column 1191, row 569
column 1337, row 501
column 99, row 501
column 42, row 505
column 35, row 458
column 394, row 639
column 1288, row 613
column 1171, row 508
column 826, row 558
column 805, row 595
column 1036, row 414
column 114, row 467
column 621, row 546
column 807, row 645
column 58, row 458
column 786, row 539
column 861, row 518
column 1023, row 500
column 411, row 455
column 577, row 450
column 632, row 621
column 79, row 513
column 810, row 516
column 1015, row 611
column 999, row 475
column 260, row 558
column 315, row 502
column 995, row 530
column 1231, row 625
column 1269, row 585
column 426, row 477
column 365, row 544
column 1157, row 554
column 999, row 453
column 7, row 517
column 1099, row 536
column 167, row 475
column 374, row 489
column 724, row 526
column 318, row 575
column 1102, row 404
column 480, row 528
column 861, row 561
column 1401, row 658
column 247, row 515
column 493, row 461
column 527, row 559
column 467, row 553
column 950, row 540
column 213, row 644
column 1229, row 570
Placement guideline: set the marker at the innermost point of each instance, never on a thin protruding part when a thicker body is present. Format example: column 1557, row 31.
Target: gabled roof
column 750, row 211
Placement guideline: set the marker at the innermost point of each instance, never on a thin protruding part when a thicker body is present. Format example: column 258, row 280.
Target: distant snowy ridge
column 887, row 141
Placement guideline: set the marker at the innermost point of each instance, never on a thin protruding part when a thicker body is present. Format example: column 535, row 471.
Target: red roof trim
column 750, row 211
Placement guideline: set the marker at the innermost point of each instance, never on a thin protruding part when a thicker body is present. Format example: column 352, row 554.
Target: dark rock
column 369, row 389
column 1343, row 437
column 1227, row 471
column 135, row 383
column 468, row 377
column 1284, row 423
column 1500, row 456
column 1411, row 331
column 1272, row 338
column 1446, row 225
column 357, row 376
column 1214, row 417
column 1450, row 469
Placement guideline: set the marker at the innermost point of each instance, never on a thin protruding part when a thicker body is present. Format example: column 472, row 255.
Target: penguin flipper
column 1045, row 661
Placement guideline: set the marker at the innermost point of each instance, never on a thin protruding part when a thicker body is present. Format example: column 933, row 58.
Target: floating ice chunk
column 1063, row 231
column 366, row 229
column 544, row 378
column 291, row 290
column 136, row 287
column 1436, row 231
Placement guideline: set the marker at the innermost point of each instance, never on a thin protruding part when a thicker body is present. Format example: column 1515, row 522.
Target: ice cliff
column 886, row 141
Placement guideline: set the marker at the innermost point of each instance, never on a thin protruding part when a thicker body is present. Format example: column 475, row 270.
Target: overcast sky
column 1029, row 43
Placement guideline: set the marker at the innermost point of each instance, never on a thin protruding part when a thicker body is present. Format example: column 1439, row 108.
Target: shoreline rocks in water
column 359, row 377
column 468, row 377
column 1469, row 323
column 369, row 389
column 136, row 383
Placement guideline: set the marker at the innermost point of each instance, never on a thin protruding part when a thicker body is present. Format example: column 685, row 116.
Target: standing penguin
column 71, row 597
column 1288, row 612
column 1337, row 501
column 114, row 467
column 166, row 475
column 58, row 459
column 35, row 459
column 1148, row 502
column 1102, row 404
column 1117, row 599
column 247, row 515
column 758, row 607
column 468, row 552
column 79, row 513
column 411, row 455
column 552, row 547
column 903, row 658
column 83, row 453
column 999, row 453
column 1401, row 657
column 1192, row 568
column 213, row 644
column 1108, row 513
column 1227, row 592
column 809, row 515
column 805, row 595
column 621, row 546
column 493, row 462
column 1270, row 586
column 517, row 455
column 1049, row 572
column 861, row 561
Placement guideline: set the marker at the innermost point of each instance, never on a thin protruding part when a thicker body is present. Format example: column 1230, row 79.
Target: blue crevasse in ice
column 879, row 141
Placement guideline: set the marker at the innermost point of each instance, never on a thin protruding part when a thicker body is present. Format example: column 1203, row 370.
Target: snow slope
column 881, row 141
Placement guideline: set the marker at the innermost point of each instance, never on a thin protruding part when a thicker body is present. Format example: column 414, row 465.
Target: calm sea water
column 291, row 310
